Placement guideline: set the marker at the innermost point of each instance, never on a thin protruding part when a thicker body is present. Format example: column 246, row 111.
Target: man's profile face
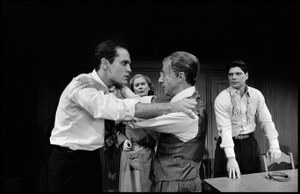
column 168, row 79
column 119, row 70
column 237, row 78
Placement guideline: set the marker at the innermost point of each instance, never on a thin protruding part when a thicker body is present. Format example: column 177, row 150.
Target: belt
column 63, row 149
column 242, row 136
column 68, row 150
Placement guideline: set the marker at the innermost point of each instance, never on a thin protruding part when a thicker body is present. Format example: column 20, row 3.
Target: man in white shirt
column 79, row 127
column 236, row 108
column 181, row 142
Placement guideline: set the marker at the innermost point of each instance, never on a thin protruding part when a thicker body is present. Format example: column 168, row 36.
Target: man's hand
column 127, row 93
column 185, row 105
column 274, row 153
column 197, row 97
column 84, row 81
column 233, row 168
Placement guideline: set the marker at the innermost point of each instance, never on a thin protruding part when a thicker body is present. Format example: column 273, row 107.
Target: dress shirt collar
column 232, row 90
column 98, row 79
column 184, row 93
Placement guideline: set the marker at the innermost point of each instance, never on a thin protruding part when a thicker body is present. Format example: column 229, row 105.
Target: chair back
column 282, row 163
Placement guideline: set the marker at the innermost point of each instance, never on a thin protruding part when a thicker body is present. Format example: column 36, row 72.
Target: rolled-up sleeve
column 224, row 125
column 145, row 99
column 265, row 119
column 174, row 123
column 104, row 106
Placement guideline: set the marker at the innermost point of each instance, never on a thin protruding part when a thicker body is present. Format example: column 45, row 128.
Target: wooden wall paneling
column 281, row 96
column 201, row 86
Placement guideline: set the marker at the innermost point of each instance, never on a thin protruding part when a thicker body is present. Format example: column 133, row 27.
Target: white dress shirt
column 79, row 119
column 178, row 123
column 250, row 105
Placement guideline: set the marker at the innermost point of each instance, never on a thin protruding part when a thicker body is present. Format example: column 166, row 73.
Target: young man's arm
column 265, row 119
column 146, row 111
column 150, row 110
column 224, row 127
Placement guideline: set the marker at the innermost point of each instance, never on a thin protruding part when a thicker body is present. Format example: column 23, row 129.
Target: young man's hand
column 274, row 153
column 233, row 168
column 186, row 105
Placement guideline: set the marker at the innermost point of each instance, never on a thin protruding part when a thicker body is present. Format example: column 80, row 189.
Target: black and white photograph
column 149, row 96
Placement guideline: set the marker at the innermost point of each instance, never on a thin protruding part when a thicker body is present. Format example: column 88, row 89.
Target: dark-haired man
column 236, row 108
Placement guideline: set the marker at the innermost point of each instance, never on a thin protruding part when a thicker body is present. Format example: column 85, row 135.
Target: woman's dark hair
column 108, row 50
column 131, row 82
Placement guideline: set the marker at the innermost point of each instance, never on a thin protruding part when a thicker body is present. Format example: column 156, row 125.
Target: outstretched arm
column 146, row 111
column 265, row 119
column 143, row 110
column 225, row 130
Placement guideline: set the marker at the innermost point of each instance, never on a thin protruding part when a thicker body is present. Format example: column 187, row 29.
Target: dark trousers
column 247, row 154
column 78, row 171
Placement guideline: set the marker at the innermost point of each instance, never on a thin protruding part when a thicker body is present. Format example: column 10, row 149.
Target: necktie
column 110, row 137
column 111, row 129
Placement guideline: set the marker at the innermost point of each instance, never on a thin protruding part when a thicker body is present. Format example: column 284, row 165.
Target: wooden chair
column 284, row 162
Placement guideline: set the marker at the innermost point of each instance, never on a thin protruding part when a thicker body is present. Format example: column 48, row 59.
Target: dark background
column 44, row 40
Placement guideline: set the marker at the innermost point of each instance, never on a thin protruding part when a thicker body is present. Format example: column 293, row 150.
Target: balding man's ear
column 181, row 76
column 104, row 63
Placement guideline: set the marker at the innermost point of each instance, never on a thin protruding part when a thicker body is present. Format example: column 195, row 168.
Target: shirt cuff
column 274, row 143
column 229, row 152
column 127, row 93
column 145, row 99
column 130, row 104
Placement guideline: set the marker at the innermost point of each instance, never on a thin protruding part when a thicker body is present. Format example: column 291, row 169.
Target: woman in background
column 136, row 170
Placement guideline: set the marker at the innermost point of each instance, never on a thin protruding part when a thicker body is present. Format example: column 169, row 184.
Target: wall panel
column 281, row 95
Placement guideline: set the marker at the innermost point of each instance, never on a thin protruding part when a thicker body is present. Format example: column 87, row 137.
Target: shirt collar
column 98, row 79
column 184, row 93
column 232, row 90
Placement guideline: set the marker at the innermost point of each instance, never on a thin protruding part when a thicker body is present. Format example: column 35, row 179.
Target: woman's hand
column 127, row 93
column 127, row 146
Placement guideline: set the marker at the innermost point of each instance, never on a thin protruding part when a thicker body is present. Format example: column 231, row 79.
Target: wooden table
column 255, row 182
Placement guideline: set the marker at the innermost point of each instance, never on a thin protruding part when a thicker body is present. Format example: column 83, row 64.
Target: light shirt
column 178, row 123
column 79, row 119
column 233, row 120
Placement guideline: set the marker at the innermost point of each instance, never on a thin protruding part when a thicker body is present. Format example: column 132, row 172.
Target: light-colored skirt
column 136, row 169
